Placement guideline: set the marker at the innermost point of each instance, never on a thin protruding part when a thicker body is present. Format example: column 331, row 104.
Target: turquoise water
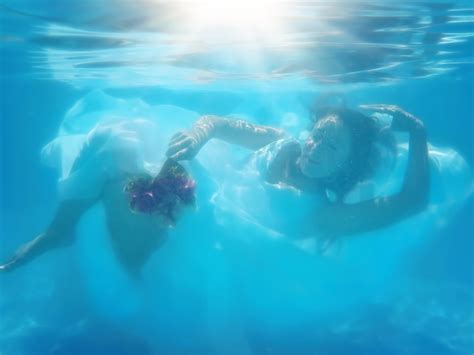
column 221, row 286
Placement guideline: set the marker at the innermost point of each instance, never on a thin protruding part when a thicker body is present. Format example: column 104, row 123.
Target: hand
column 16, row 260
column 402, row 120
column 184, row 146
column 7, row 267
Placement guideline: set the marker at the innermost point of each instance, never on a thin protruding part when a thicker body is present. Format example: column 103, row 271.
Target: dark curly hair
column 162, row 193
column 366, row 139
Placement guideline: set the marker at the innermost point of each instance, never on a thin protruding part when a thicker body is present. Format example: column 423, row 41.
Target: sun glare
column 234, row 15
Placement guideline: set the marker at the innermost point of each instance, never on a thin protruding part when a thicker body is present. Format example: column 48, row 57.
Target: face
column 327, row 148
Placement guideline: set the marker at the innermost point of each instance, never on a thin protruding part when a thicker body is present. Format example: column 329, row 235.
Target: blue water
column 257, row 298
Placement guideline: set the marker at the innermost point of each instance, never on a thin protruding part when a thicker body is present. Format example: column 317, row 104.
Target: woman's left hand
column 402, row 121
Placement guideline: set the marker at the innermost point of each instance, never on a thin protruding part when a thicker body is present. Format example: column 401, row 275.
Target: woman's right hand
column 185, row 145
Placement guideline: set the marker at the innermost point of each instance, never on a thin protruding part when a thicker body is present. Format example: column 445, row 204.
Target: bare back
column 134, row 236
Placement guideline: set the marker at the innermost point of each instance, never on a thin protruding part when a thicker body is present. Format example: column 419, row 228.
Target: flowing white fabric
column 239, row 253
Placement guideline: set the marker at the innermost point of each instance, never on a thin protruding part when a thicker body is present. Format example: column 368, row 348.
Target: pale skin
column 134, row 236
column 322, row 154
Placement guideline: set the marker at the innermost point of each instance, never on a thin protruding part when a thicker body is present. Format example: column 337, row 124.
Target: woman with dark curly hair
column 341, row 151
column 139, row 207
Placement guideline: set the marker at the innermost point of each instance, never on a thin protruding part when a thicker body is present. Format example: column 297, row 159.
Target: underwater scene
column 236, row 177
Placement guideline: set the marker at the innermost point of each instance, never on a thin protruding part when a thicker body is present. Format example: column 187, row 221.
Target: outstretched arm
column 59, row 233
column 345, row 219
column 185, row 145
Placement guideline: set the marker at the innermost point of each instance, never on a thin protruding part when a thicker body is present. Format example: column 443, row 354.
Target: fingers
column 402, row 120
column 370, row 107
column 183, row 154
column 380, row 107
column 178, row 149
column 180, row 139
column 185, row 142
column 176, row 137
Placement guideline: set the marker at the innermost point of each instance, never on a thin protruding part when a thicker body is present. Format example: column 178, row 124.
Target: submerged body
column 110, row 169
column 340, row 152
column 135, row 236
column 286, row 197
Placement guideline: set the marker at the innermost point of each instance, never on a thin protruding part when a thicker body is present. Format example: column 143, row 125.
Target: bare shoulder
column 279, row 168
